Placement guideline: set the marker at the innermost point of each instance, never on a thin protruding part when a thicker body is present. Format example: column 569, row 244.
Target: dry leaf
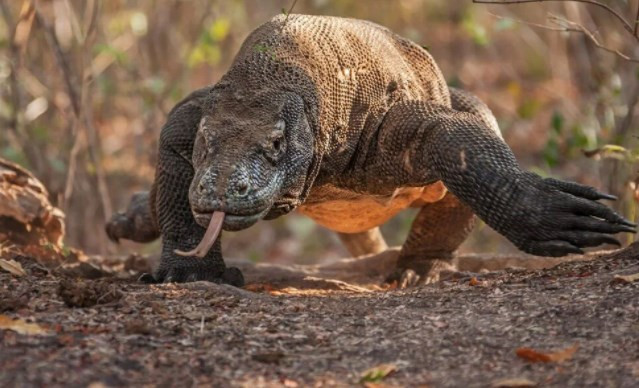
column 377, row 373
column 290, row 383
column 518, row 382
column 474, row 282
column 13, row 267
column 259, row 287
column 627, row 278
column 535, row 356
column 378, row 385
column 21, row 326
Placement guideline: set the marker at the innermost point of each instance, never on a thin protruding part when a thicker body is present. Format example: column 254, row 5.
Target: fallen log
column 26, row 215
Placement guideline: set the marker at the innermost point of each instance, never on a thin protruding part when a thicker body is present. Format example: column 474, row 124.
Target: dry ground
column 323, row 326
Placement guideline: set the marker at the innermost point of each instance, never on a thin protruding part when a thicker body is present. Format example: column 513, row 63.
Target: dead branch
column 16, row 123
column 626, row 25
column 570, row 26
column 564, row 25
column 80, row 111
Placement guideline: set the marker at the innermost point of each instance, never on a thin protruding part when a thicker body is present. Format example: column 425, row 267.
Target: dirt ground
column 327, row 325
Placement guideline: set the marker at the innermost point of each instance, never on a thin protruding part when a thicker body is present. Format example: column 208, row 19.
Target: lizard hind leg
column 436, row 233
column 137, row 223
column 364, row 243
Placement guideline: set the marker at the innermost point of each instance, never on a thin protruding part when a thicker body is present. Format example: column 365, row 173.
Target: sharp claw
column 578, row 251
column 555, row 248
column 613, row 241
column 628, row 229
column 628, row 223
column 110, row 234
column 607, row 196
column 595, row 241
column 147, row 278
column 168, row 279
column 233, row 276
column 409, row 278
column 191, row 278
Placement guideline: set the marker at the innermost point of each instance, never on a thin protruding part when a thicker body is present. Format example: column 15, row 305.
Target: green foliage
column 262, row 48
column 551, row 152
column 557, row 122
column 40, row 133
column 377, row 373
column 563, row 144
column 15, row 155
column 529, row 108
column 613, row 151
column 119, row 56
column 208, row 49
column 579, row 139
column 475, row 30
column 504, row 24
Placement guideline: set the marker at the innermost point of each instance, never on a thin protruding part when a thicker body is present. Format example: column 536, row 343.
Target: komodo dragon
column 349, row 123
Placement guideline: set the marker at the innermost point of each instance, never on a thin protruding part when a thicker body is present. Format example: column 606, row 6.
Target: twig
column 80, row 116
column 52, row 40
column 570, row 26
column 626, row 25
column 61, row 60
column 626, row 124
column 289, row 11
column 532, row 24
column 73, row 158
column 16, row 124
column 565, row 25
column 13, row 76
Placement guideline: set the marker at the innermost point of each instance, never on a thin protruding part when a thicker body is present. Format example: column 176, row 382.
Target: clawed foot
column 556, row 218
column 182, row 274
column 428, row 272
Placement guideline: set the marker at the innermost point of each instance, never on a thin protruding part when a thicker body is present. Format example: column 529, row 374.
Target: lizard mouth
column 231, row 222
column 215, row 222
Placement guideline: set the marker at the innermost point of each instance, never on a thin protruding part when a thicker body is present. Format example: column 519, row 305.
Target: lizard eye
column 275, row 149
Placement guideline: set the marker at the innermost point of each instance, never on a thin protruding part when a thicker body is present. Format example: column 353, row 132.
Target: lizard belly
column 353, row 213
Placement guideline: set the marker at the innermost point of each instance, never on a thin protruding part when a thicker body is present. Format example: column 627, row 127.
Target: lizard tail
column 137, row 223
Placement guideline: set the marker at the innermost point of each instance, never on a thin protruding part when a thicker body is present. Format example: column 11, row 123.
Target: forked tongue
column 212, row 231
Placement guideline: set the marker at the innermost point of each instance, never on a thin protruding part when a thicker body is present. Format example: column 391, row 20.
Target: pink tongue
column 213, row 230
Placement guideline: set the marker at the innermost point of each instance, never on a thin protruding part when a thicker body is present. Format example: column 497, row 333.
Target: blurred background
column 85, row 86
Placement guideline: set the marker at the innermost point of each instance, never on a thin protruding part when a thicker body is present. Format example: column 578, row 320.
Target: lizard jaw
column 231, row 222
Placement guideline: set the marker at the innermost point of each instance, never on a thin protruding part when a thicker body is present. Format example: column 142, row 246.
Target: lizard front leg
column 177, row 226
column 419, row 143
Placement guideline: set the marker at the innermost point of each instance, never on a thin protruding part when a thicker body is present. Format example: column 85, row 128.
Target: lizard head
column 251, row 156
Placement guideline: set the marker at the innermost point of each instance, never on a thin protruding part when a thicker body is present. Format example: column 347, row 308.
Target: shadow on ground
column 88, row 321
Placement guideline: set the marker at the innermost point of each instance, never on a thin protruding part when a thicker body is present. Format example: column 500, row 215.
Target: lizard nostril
column 200, row 188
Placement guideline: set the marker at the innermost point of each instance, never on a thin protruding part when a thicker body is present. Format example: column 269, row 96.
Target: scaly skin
column 323, row 112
